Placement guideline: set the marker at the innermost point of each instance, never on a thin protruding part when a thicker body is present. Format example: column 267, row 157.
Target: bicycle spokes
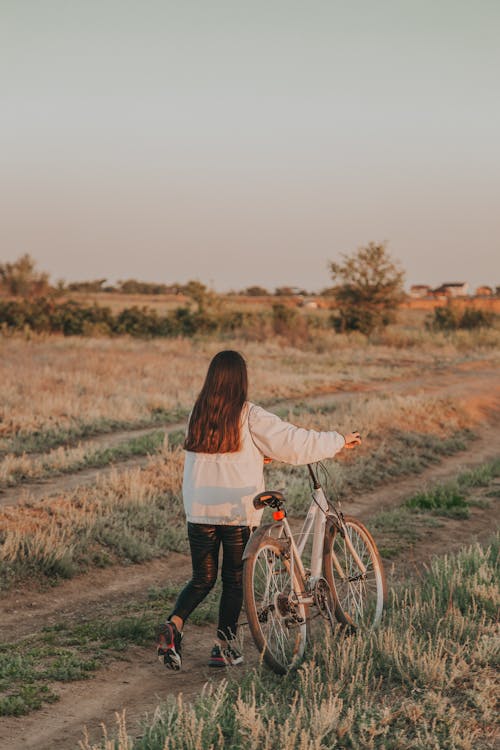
column 275, row 615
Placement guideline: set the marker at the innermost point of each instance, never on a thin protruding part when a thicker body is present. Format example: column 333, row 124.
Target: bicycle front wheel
column 276, row 617
column 358, row 585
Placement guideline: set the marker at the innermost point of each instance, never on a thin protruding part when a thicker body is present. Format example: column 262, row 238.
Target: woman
column 227, row 440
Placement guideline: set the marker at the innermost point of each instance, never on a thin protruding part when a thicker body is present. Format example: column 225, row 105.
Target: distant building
column 484, row 291
column 417, row 291
column 453, row 289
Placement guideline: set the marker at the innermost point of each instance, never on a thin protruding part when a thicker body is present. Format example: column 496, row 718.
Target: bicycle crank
column 323, row 599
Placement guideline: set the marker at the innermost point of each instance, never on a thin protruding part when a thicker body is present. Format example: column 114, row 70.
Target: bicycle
column 345, row 580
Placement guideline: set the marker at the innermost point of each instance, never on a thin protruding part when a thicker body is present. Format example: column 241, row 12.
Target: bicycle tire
column 359, row 598
column 277, row 623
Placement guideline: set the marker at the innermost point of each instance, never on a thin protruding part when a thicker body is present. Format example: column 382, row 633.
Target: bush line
column 73, row 319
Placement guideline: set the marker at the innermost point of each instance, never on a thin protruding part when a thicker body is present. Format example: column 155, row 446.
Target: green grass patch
column 27, row 698
column 142, row 445
column 480, row 476
column 31, row 668
column 176, row 438
column 444, row 500
column 454, row 498
column 399, row 528
column 56, row 463
column 302, row 407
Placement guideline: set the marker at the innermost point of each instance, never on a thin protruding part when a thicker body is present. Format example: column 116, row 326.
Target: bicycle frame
column 343, row 581
column 315, row 521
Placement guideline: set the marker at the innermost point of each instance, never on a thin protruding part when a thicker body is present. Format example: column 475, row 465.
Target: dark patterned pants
column 205, row 541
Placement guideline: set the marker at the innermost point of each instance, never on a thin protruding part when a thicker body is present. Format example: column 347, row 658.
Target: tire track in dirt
column 138, row 683
column 465, row 378
column 484, row 448
column 24, row 610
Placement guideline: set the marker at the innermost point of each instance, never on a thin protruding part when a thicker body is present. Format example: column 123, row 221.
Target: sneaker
column 169, row 646
column 227, row 656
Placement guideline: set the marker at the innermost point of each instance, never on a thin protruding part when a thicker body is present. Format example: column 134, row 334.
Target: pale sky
column 246, row 143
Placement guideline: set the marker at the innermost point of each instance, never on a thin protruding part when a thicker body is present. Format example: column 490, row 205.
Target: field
column 93, row 545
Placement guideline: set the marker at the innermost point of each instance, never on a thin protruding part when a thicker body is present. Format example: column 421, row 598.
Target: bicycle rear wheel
column 359, row 593
column 276, row 618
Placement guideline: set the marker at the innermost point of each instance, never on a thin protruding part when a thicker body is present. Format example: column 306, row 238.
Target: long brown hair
column 214, row 426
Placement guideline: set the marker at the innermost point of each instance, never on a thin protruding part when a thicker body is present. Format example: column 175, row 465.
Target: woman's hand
column 352, row 439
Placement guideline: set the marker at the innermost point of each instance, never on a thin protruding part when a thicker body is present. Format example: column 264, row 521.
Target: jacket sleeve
column 285, row 442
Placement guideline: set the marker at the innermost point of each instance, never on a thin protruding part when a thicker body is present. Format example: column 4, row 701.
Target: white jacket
column 218, row 488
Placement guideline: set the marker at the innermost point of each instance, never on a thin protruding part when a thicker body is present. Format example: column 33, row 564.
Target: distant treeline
column 73, row 319
column 132, row 286
column 21, row 278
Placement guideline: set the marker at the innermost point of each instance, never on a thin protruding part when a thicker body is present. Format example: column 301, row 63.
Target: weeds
column 67, row 652
column 16, row 469
column 430, row 666
column 137, row 515
column 49, row 399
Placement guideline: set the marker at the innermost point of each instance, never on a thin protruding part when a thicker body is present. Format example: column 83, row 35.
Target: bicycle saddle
column 272, row 498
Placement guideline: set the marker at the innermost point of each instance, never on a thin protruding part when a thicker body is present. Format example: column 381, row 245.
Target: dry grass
column 431, row 668
column 135, row 514
column 54, row 384
column 374, row 414
column 138, row 514
column 16, row 469
column 402, row 435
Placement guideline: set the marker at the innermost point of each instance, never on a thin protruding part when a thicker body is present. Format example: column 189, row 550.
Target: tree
column 88, row 287
column 204, row 297
column 368, row 288
column 255, row 291
column 284, row 291
column 21, row 279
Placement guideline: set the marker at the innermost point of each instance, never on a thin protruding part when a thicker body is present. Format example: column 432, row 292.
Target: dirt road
column 138, row 683
column 470, row 378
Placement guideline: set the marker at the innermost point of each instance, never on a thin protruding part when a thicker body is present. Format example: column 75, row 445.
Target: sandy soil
column 138, row 683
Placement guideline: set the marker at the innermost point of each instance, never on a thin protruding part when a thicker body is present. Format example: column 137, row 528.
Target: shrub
column 284, row 318
column 473, row 318
column 451, row 318
column 22, row 279
column 142, row 322
column 72, row 319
